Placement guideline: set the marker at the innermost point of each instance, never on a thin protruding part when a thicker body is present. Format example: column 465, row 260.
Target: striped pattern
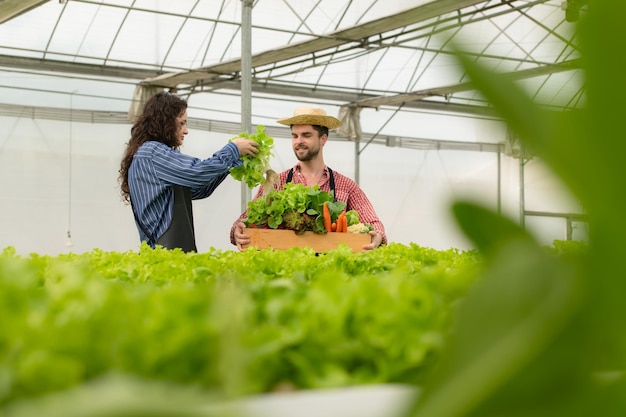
column 156, row 168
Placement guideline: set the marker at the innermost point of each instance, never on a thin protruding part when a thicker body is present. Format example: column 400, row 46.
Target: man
column 309, row 134
column 159, row 181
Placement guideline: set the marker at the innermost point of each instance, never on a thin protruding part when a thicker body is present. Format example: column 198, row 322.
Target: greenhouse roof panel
column 373, row 53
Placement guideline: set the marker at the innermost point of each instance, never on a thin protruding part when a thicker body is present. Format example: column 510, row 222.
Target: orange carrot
column 342, row 222
column 333, row 227
column 327, row 220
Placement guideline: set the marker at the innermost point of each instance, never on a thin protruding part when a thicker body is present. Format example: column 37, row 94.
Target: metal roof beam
column 111, row 117
column 340, row 97
column 466, row 86
column 13, row 8
column 48, row 65
column 354, row 34
column 415, row 99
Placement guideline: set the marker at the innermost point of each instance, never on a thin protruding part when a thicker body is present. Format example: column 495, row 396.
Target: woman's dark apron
column 180, row 233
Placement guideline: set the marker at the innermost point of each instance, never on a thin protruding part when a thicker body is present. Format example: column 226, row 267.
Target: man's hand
column 375, row 242
column 241, row 239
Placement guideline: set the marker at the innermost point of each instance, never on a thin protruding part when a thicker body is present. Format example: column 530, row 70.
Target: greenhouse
column 416, row 134
column 487, row 135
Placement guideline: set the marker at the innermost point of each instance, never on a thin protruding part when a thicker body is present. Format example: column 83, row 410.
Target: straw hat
column 310, row 116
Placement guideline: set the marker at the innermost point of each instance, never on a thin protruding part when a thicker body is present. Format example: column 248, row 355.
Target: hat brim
column 311, row 119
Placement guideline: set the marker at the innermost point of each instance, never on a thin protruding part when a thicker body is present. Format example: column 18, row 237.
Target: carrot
column 327, row 220
column 342, row 222
column 333, row 227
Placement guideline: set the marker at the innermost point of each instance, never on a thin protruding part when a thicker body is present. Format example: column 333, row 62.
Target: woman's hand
column 246, row 146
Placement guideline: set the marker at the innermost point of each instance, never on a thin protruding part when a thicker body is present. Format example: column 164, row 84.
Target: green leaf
column 254, row 168
column 505, row 325
column 486, row 230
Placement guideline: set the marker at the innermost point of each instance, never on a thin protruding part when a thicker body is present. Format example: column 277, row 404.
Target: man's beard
column 308, row 155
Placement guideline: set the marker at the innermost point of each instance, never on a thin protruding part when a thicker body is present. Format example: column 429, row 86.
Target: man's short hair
column 321, row 130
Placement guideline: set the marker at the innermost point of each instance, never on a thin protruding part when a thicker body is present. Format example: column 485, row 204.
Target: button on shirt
column 156, row 168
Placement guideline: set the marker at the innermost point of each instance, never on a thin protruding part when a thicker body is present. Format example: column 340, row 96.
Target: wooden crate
column 285, row 239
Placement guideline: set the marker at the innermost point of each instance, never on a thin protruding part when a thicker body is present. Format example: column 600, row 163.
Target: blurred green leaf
column 524, row 301
column 487, row 231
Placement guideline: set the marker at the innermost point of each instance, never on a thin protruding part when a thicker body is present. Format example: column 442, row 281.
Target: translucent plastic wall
column 58, row 176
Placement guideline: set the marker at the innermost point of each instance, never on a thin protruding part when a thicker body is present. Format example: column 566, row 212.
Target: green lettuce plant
column 99, row 333
column 295, row 207
column 253, row 170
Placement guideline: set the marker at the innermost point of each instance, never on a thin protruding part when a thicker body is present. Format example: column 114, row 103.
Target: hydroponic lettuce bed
column 227, row 323
column 159, row 330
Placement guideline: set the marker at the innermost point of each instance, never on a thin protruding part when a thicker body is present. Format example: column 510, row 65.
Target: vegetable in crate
column 295, row 207
column 355, row 225
column 255, row 170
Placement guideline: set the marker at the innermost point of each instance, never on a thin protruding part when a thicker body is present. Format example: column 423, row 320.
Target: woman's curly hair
column 157, row 122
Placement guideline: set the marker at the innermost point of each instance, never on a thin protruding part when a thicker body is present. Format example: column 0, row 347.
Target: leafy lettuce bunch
column 295, row 207
column 254, row 168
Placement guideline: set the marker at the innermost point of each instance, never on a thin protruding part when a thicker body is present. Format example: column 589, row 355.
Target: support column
column 246, row 82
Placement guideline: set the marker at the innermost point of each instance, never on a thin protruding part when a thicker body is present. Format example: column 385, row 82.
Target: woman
column 159, row 181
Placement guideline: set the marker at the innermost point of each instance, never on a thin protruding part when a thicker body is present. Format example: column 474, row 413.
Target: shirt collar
column 298, row 169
